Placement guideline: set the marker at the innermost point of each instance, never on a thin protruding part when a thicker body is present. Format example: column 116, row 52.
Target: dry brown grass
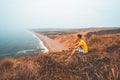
column 81, row 67
column 53, row 67
column 84, row 67
column 105, row 43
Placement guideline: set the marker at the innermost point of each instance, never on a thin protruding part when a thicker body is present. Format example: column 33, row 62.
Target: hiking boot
column 68, row 59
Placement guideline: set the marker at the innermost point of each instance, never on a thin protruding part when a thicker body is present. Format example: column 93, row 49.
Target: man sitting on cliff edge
column 79, row 47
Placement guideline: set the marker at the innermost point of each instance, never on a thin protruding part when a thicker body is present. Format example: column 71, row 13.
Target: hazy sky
column 59, row 13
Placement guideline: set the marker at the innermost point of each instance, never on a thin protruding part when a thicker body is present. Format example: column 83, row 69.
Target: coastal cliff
column 101, row 63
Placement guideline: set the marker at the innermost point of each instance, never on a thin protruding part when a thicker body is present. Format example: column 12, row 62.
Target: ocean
column 19, row 42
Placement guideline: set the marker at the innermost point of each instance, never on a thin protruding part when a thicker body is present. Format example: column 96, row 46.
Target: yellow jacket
column 83, row 45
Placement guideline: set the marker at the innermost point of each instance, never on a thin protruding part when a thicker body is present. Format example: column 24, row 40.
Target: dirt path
column 51, row 44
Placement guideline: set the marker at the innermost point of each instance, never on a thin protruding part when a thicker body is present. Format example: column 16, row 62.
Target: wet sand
column 52, row 45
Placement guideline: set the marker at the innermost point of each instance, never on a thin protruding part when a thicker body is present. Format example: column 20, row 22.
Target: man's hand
column 74, row 47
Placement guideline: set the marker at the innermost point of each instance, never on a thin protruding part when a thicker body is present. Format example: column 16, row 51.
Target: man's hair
column 79, row 36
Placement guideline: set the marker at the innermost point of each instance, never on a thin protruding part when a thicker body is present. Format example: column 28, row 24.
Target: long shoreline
column 41, row 43
column 51, row 44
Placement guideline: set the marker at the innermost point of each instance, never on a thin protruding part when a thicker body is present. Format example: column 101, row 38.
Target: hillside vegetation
column 101, row 63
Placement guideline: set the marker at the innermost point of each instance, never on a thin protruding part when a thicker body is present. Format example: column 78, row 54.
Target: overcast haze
column 59, row 13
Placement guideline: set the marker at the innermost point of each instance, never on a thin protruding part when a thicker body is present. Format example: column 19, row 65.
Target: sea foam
column 41, row 46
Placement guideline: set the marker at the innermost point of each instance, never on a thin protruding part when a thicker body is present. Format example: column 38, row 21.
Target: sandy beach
column 52, row 45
